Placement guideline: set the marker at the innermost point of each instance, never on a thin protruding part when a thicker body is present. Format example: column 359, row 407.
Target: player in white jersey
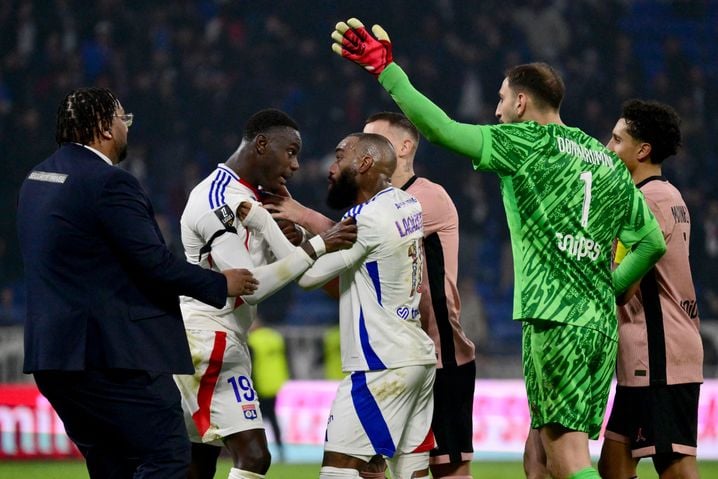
column 384, row 406
column 223, row 225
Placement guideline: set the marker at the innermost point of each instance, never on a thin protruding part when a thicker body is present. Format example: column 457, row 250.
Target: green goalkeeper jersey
column 566, row 199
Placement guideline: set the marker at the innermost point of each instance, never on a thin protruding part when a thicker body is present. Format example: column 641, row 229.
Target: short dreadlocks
column 84, row 114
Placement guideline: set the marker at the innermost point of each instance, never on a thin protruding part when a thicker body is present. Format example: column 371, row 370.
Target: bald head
column 379, row 148
column 363, row 167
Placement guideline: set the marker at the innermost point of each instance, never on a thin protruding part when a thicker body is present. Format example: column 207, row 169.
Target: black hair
column 654, row 123
column 540, row 80
column 84, row 114
column 264, row 120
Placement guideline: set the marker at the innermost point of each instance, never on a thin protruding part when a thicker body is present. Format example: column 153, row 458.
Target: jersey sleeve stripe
column 223, row 189
column 229, row 172
column 217, row 184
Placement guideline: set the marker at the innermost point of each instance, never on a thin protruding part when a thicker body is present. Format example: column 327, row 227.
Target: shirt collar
column 651, row 178
column 256, row 191
column 409, row 182
column 98, row 153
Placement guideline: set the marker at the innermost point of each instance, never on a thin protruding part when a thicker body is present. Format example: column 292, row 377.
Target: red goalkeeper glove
column 353, row 41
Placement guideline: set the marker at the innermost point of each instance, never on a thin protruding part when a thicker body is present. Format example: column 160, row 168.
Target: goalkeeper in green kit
column 567, row 198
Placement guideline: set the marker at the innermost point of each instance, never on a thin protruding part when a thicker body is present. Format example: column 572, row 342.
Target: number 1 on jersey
column 586, row 177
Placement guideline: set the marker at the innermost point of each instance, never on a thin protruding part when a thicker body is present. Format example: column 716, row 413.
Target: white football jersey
column 379, row 280
column 211, row 209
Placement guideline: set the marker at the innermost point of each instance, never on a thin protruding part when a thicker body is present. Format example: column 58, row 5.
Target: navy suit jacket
column 102, row 287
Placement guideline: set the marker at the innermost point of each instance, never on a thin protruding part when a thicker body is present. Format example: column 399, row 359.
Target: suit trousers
column 126, row 423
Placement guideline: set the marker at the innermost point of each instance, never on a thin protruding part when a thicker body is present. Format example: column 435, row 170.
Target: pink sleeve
column 315, row 222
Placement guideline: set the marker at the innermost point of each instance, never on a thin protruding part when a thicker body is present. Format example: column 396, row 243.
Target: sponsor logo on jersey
column 578, row 246
column 405, row 312
column 408, row 201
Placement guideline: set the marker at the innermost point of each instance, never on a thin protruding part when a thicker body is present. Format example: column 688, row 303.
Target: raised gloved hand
column 353, row 41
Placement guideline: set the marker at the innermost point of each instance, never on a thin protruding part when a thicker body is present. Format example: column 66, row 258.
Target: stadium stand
column 193, row 70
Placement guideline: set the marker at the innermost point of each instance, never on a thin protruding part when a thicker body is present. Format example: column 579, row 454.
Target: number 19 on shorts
column 244, row 392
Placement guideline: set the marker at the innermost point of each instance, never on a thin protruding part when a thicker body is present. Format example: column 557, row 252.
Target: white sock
column 235, row 473
column 328, row 472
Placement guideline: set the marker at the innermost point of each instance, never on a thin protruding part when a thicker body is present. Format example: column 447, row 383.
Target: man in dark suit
column 104, row 333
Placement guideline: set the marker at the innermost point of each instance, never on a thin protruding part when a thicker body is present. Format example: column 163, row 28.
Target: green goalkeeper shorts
column 568, row 371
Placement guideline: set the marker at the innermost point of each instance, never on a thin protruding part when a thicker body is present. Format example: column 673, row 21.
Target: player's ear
column 406, row 146
column 521, row 101
column 260, row 143
column 644, row 152
column 365, row 164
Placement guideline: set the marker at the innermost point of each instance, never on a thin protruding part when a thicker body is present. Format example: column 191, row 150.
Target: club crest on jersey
column 225, row 215
column 250, row 411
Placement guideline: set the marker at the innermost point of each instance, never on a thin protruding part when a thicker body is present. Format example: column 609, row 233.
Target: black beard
column 343, row 193
column 122, row 155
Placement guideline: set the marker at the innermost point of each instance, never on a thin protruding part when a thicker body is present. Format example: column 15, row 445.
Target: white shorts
column 383, row 412
column 219, row 399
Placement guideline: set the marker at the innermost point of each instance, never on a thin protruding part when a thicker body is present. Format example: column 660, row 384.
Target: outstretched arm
column 374, row 53
column 258, row 220
column 229, row 251
column 462, row 138
column 330, row 265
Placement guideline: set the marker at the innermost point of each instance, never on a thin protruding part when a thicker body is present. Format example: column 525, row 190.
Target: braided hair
column 84, row 114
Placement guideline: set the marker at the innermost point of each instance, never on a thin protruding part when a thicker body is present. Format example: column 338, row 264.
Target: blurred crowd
column 192, row 71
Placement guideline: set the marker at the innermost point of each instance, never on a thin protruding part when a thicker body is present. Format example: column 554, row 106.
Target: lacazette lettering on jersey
column 410, row 224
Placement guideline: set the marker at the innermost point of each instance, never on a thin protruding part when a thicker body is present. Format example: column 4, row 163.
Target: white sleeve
column 330, row 265
column 261, row 222
column 229, row 252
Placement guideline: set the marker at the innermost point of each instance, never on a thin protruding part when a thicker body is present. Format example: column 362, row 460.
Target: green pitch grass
column 480, row 470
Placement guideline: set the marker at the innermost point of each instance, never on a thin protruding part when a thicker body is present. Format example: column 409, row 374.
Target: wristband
column 318, row 244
